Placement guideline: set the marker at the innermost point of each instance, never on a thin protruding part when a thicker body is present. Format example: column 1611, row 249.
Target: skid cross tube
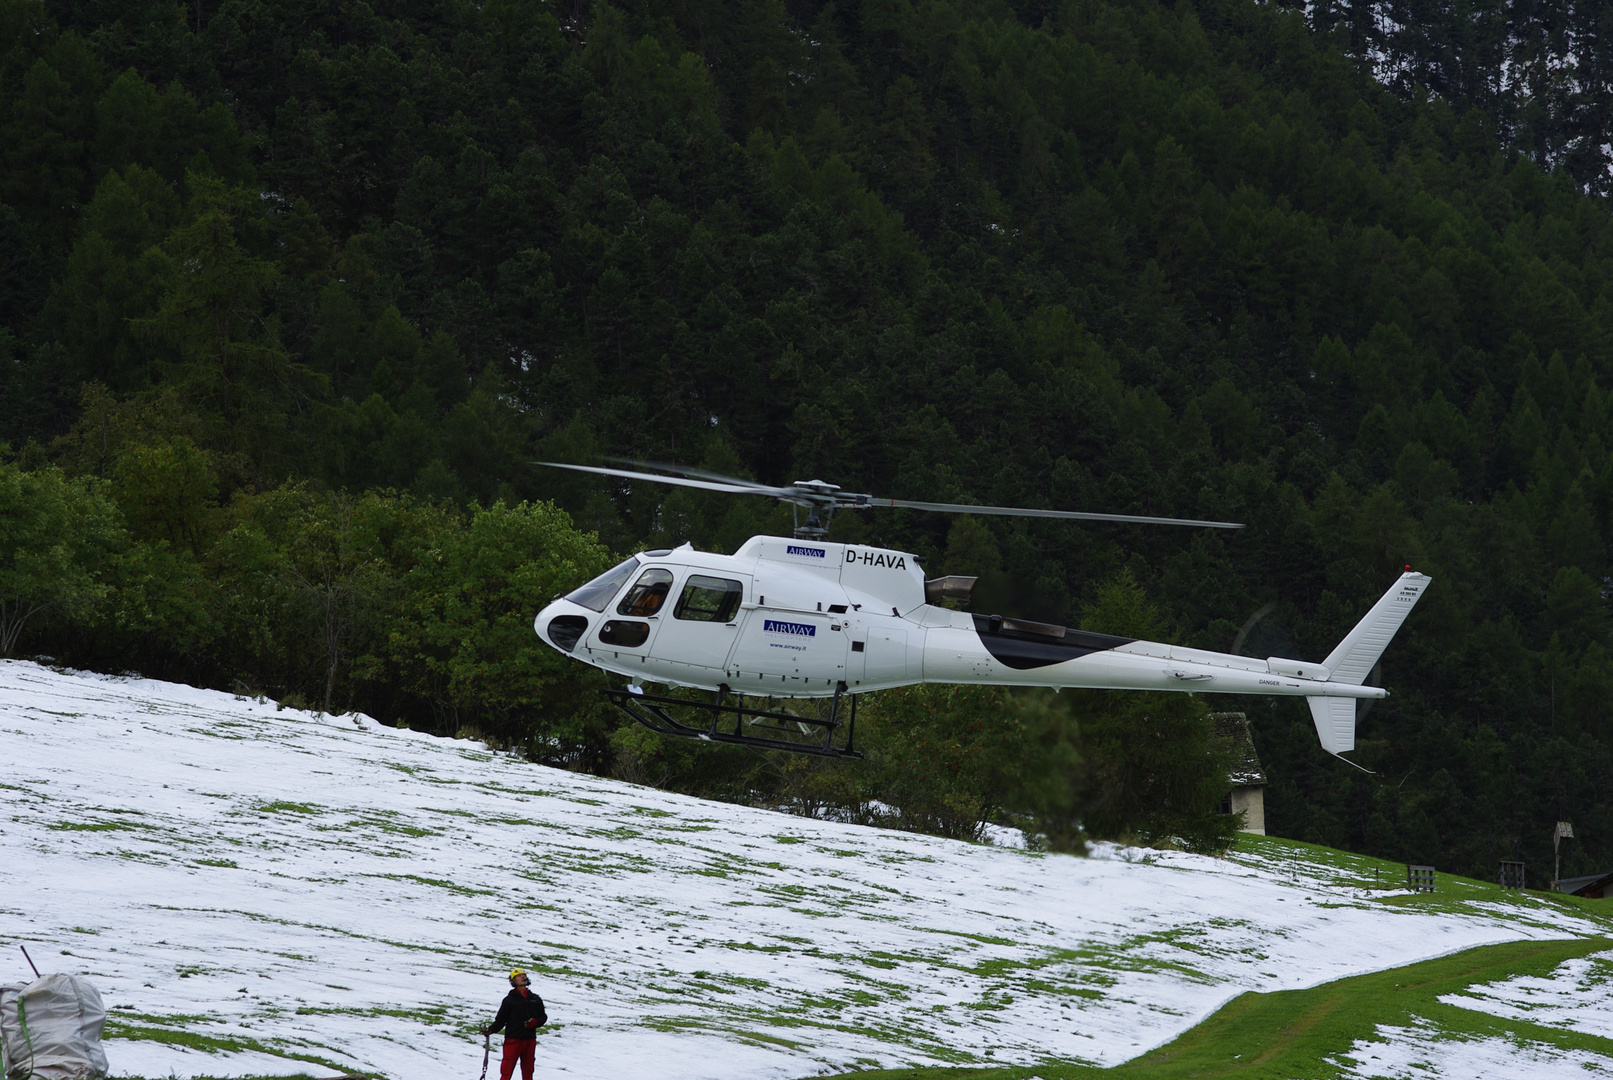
column 651, row 711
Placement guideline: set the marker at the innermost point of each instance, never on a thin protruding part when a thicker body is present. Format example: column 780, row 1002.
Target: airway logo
column 796, row 549
column 774, row 626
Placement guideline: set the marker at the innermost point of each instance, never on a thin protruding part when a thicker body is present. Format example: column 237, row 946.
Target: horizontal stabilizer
column 1361, row 647
column 1335, row 722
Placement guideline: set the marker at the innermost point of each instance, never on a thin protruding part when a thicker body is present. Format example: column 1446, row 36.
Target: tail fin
column 1361, row 647
column 1355, row 656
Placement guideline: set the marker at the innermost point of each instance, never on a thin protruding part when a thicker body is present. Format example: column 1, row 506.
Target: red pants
column 517, row 1050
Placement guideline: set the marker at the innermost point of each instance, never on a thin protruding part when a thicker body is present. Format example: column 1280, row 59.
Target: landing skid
column 651, row 711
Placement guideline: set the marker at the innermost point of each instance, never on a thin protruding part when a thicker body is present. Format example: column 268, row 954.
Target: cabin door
column 703, row 623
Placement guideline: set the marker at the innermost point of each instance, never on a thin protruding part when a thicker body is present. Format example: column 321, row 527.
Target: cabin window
column 709, row 599
column 647, row 594
column 627, row 635
column 566, row 630
column 598, row 593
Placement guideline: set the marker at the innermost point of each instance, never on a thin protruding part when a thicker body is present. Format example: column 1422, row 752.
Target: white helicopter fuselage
column 797, row 618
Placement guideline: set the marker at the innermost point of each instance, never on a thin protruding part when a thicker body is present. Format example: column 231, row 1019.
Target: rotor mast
column 817, row 497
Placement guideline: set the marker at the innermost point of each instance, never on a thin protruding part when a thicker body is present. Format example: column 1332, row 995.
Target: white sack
column 64, row 1016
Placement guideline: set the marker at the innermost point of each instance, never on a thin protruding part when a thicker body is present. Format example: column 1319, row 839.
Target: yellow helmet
column 516, row 973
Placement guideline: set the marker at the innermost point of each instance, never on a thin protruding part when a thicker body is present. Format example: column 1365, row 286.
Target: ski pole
column 30, row 960
column 487, row 1049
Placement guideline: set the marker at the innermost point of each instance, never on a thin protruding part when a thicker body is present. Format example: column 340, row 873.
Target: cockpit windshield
column 599, row 592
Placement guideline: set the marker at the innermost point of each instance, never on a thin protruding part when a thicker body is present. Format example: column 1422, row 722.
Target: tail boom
column 954, row 655
column 965, row 649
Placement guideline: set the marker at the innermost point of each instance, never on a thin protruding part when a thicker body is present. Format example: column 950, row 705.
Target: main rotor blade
column 1016, row 511
column 685, row 470
column 710, row 481
column 735, row 487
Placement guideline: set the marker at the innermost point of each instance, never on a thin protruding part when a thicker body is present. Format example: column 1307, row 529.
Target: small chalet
column 1593, row 886
column 1248, row 794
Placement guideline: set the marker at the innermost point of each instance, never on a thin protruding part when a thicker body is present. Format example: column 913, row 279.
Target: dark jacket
column 514, row 1013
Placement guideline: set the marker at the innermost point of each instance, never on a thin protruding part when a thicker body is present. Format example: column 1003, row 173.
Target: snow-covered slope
column 325, row 888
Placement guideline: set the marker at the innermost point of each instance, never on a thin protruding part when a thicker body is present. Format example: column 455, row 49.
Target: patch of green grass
column 984, row 939
column 282, row 806
column 437, row 883
column 207, row 1044
column 126, row 1014
column 137, row 856
column 118, row 1028
column 228, row 864
column 1303, row 1033
column 433, row 1015
column 381, row 824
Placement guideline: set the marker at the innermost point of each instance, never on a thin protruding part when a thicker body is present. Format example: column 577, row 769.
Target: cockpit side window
column 599, row 592
column 709, row 599
column 647, row 594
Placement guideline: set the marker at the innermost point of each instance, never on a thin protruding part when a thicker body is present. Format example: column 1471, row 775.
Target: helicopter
column 807, row 618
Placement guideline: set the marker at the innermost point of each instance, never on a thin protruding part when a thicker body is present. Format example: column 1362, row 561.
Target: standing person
column 520, row 1016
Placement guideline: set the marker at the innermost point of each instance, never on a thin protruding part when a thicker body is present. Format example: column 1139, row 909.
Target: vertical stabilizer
column 1361, row 647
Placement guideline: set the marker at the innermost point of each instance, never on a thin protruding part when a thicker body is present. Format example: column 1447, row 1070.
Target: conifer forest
column 296, row 294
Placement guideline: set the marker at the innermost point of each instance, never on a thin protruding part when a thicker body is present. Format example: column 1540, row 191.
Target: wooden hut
column 1594, row 886
column 1248, row 794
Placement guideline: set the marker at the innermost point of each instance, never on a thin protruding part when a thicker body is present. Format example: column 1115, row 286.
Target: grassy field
column 1302, row 1033
column 1296, row 1034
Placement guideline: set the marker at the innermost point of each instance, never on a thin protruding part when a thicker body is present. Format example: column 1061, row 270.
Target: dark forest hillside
column 295, row 293
column 1540, row 72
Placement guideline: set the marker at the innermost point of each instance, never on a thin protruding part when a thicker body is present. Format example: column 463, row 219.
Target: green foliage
column 1156, row 770
column 464, row 635
column 945, row 757
column 59, row 539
